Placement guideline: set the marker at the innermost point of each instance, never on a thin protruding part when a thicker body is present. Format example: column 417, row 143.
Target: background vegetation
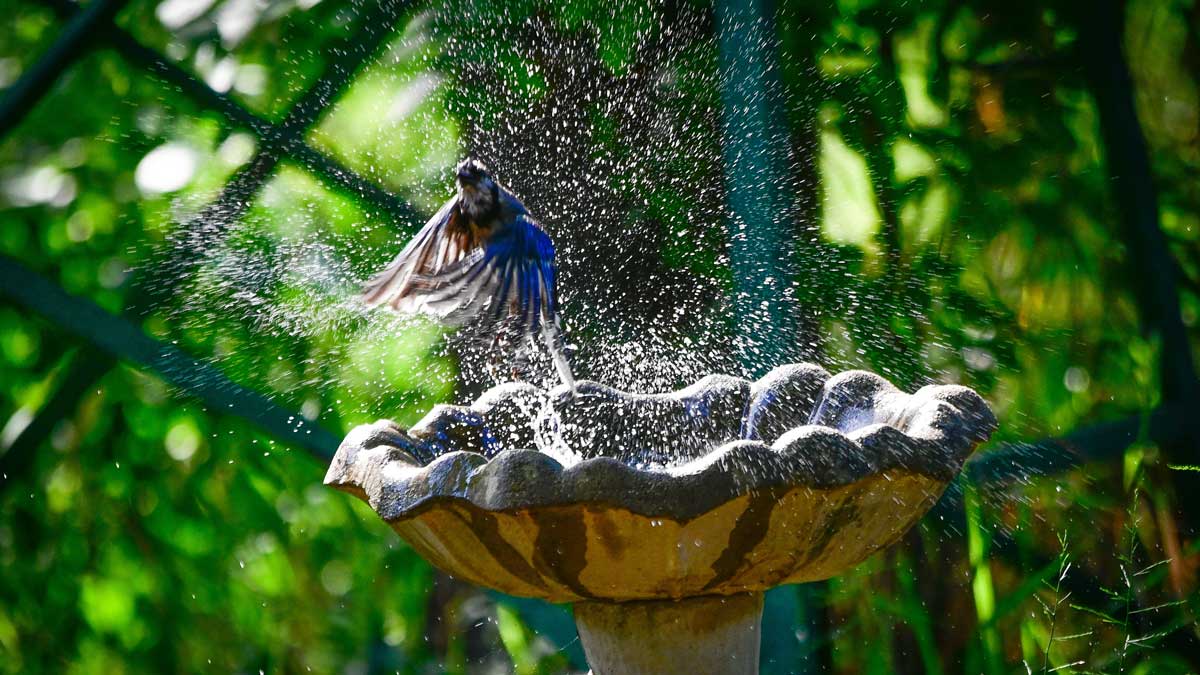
column 998, row 194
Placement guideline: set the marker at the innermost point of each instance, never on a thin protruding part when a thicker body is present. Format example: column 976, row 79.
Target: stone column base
column 705, row 634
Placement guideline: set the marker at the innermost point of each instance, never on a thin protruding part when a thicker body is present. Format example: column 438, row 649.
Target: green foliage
column 954, row 221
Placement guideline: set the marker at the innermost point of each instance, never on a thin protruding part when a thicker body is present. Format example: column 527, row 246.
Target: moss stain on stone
column 748, row 531
column 844, row 515
column 561, row 548
column 487, row 528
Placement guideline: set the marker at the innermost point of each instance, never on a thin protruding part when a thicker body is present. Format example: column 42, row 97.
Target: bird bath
column 794, row 478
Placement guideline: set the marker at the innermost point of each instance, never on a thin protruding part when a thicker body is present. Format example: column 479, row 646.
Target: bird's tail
column 556, row 344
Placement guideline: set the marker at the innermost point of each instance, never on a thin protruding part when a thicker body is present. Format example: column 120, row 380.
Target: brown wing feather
column 445, row 240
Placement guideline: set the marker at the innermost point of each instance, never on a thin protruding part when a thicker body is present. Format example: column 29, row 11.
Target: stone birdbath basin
column 664, row 518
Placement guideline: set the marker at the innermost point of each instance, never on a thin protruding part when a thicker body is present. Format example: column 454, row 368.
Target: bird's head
column 477, row 187
column 472, row 174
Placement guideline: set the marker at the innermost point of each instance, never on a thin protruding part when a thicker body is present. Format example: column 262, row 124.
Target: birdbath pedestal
column 664, row 518
column 653, row 637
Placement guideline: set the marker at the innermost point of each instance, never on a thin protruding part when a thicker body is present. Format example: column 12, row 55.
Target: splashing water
column 548, row 436
column 629, row 184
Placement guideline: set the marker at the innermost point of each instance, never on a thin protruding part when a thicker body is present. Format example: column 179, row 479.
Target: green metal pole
column 757, row 179
column 71, row 43
column 760, row 249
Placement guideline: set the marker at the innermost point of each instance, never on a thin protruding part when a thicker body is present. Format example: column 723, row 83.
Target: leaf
column 1097, row 613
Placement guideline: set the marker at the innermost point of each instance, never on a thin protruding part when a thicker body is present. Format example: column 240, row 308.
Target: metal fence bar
column 795, row 619
column 200, row 93
column 124, row 340
column 1022, row 461
column 354, row 185
column 72, row 42
column 759, row 239
column 351, row 55
column 1104, row 441
column 279, row 139
column 124, row 44
column 234, row 199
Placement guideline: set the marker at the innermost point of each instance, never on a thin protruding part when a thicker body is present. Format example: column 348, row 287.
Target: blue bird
column 482, row 254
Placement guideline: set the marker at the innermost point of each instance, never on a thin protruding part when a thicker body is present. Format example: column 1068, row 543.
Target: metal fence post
column 755, row 149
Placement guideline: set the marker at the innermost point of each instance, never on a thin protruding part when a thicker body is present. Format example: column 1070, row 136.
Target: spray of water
column 614, row 142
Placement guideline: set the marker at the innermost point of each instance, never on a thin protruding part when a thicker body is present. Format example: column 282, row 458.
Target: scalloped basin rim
column 422, row 505
column 827, row 431
column 515, row 480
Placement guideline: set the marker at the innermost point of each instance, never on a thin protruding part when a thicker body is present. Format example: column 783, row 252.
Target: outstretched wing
column 511, row 275
column 438, row 247
column 515, row 277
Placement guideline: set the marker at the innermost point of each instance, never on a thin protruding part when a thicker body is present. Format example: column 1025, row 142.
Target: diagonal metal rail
column 120, row 339
column 275, row 141
column 74, row 40
column 236, row 115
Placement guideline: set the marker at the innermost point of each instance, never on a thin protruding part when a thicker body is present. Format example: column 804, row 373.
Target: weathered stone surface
column 448, row 428
column 784, row 399
column 708, row 634
column 795, row 478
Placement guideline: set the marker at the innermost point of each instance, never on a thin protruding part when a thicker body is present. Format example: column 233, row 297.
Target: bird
column 481, row 255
